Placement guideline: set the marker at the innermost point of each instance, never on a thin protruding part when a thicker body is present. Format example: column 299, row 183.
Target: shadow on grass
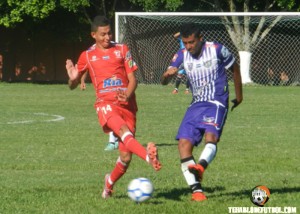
column 176, row 193
column 238, row 194
column 218, row 191
column 166, row 144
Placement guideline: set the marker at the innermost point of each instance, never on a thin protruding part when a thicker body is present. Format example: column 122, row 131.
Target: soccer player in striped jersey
column 112, row 72
column 205, row 64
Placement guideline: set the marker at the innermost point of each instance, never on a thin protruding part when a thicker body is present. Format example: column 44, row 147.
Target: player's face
column 192, row 44
column 103, row 36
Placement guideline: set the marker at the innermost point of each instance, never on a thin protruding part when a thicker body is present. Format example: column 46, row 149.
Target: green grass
column 58, row 167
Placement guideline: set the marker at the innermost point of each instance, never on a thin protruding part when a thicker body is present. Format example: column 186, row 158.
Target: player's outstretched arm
column 237, row 86
column 167, row 75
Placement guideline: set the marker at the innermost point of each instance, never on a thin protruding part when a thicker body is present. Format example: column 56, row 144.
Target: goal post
column 266, row 46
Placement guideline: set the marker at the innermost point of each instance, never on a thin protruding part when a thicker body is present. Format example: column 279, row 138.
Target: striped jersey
column 207, row 72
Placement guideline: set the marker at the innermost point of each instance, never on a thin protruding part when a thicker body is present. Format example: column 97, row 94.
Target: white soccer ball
column 258, row 196
column 140, row 189
column 257, row 199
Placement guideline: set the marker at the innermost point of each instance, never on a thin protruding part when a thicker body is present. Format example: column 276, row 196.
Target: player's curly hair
column 99, row 21
column 188, row 29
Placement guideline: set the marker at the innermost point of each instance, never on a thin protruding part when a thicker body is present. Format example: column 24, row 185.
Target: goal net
column 271, row 41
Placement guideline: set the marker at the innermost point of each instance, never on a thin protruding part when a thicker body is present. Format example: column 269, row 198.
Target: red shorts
column 116, row 115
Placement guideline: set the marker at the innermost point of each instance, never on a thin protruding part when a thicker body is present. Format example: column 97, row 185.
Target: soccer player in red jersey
column 112, row 71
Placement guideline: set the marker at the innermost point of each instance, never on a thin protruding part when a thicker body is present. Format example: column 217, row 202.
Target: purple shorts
column 202, row 117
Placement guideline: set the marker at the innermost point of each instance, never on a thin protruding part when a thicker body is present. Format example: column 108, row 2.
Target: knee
column 123, row 129
column 126, row 159
column 185, row 148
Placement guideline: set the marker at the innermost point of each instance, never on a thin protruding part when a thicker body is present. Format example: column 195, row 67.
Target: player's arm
column 168, row 74
column 173, row 68
column 82, row 81
column 176, row 35
column 124, row 96
column 237, row 85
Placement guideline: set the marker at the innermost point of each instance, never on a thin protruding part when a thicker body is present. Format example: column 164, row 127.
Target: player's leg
column 150, row 154
column 189, row 136
column 122, row 122
column 207, row 156
column 185, row 148
column 119, row 170
column 187, row 84
column 125, row 127
column 113, row 142
column 177, row 82
column 213, row 124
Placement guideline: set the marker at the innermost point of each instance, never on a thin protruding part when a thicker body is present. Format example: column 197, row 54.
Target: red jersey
column 108, row 70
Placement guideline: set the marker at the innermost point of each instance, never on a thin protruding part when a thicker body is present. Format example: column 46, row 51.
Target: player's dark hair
column 99, row 21
column 188, row 29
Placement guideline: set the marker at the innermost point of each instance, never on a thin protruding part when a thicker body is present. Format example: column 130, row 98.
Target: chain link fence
column 275, row 61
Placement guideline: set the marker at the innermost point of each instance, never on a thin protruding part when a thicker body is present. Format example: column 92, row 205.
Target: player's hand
column 82, row 86
column 171, row 71
column 235, row 104
column 122, row 96
column 71, row 69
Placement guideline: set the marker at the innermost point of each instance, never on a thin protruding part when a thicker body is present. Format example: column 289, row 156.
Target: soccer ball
column 258, row 196
column 257, row 199
column 140, row 189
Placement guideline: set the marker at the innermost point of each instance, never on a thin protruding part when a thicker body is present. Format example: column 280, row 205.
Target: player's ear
column 93, row 34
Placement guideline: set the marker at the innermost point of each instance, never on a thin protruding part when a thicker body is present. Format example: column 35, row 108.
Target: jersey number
column 106, row 108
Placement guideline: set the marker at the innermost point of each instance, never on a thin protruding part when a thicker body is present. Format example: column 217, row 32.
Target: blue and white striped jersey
column 207, row 73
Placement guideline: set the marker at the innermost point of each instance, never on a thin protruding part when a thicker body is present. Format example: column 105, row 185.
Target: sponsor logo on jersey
column 207, row 64
column 105, row 57
column 113, row 81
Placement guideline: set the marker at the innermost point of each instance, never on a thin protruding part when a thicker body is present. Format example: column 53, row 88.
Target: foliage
column 13, row 11
column 163, row 5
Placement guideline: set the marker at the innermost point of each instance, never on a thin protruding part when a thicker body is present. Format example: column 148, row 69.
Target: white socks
column 209, row 152
column 189, row 177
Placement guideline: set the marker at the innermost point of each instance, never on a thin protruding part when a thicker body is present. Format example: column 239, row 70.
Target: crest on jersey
column 224, row 52
column 209, row 121
column 118, row 53
column 128, row 55
column 190, row 66
column 131, row 63
column 94, row 58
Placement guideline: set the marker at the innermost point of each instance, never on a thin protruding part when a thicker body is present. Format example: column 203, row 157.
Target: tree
column 13, row 12
column 239, row 30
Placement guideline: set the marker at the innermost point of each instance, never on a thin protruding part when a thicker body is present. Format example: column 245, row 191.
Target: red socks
column 117, row 173
column 134, row 146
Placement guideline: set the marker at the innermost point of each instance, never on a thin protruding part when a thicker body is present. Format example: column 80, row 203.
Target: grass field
column 52, row 157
